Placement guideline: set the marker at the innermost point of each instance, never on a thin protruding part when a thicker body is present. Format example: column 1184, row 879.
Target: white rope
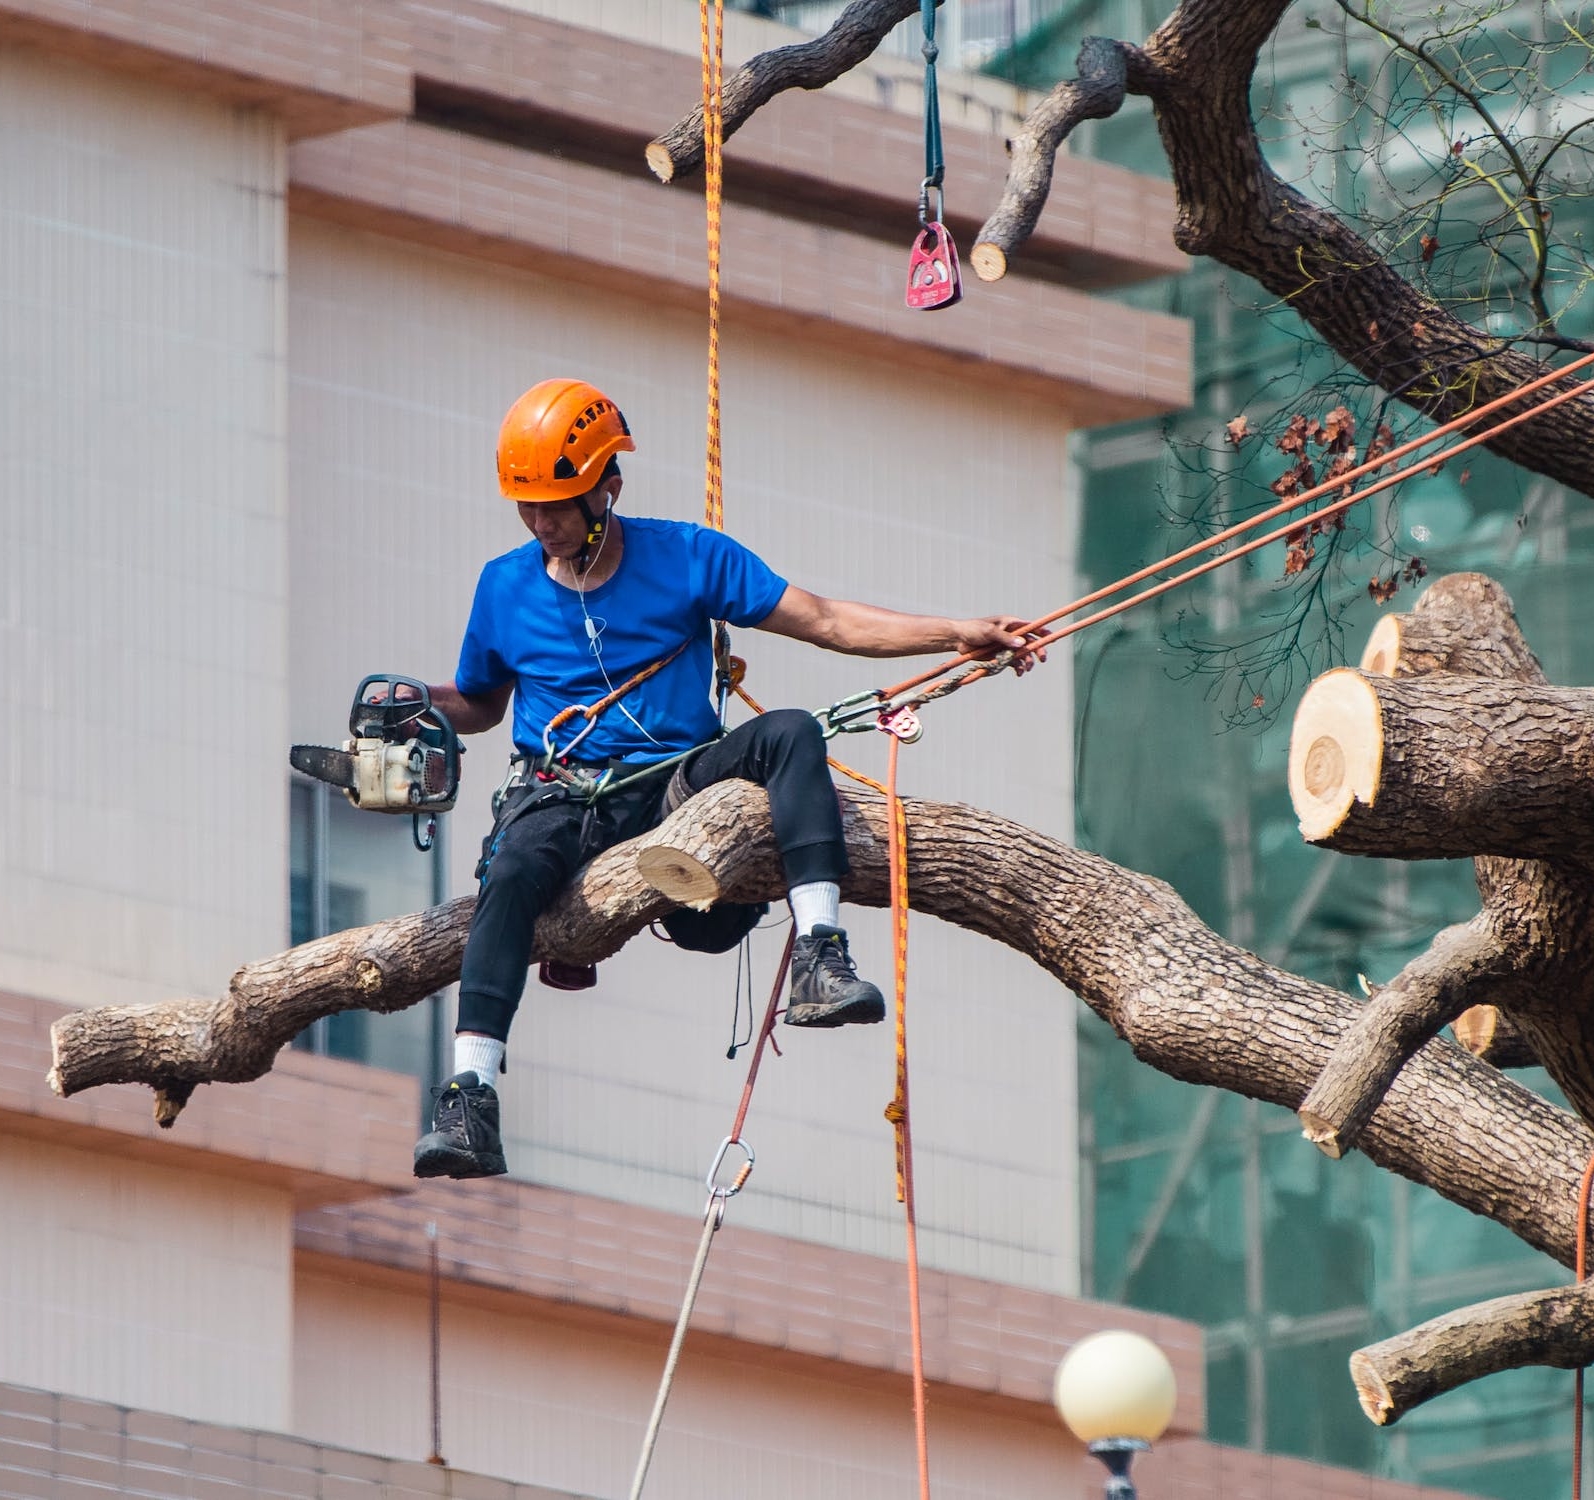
column 711, row 1222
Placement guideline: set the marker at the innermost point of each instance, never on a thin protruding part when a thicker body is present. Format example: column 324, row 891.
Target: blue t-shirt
column 674, row 579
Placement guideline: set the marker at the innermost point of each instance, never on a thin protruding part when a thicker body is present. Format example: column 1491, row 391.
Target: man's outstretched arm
column 868, row 630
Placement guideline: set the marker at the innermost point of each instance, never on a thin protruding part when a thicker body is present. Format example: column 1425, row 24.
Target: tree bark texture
column 1553, row 1327
column 1096, row 94
column 804, row 65
column 1444, row 767
column 1188, row 1002
column 1468, row 741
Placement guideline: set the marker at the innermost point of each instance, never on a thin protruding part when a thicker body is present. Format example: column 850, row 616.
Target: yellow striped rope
column 713, row 185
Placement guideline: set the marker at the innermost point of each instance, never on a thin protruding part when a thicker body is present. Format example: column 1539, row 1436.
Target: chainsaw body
column 394, row 760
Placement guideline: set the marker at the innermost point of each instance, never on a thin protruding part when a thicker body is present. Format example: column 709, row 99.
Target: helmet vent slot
column 564, row 469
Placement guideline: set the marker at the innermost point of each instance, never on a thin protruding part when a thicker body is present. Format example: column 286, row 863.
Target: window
column 348, row 868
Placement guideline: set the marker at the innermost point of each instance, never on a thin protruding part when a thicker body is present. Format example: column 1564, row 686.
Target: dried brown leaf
column 1237, row 430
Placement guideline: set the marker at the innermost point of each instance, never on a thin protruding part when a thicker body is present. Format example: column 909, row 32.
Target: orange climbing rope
column 713, row 193
column 902, row 692
column 897, row 1111
column 1582, row 1275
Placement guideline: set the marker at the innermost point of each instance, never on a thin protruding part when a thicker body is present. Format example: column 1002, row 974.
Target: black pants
column 528, row 861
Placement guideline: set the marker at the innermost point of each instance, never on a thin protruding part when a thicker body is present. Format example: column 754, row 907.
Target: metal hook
column 926, row 218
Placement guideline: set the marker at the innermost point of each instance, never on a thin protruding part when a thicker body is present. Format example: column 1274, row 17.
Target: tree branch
column 1188, row 1002
column 854, row 35
column 1461, row 964
column 1097, row 93
column 1443, row 767
column 1554, row 1327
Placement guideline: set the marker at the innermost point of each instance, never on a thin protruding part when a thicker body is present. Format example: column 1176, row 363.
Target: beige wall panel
column 545, row 1403
column 142, row 543
column 145, row 1286
column 851, row 478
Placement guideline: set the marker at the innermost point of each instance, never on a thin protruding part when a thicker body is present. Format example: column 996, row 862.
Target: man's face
column 557, row 524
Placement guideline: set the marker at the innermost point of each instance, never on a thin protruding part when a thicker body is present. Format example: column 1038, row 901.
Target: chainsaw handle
column 371, row 718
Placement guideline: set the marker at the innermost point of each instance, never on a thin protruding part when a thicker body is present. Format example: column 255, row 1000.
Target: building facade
column 271, row 278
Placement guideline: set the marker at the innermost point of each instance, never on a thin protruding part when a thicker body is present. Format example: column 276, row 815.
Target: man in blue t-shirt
column 594, row 609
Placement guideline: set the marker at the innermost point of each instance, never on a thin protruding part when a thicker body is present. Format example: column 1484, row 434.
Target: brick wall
column 57, row 1448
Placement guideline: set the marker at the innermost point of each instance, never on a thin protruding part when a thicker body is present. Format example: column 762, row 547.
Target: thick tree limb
column 1443, row 766
column 1461, row 964
column 1188, row 1002
column 1096, row 94
column 1463, row 623
column 1554, row 1327
column 855, row 34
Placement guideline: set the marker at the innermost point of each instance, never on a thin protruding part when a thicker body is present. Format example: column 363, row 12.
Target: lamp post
column 1115, row 1393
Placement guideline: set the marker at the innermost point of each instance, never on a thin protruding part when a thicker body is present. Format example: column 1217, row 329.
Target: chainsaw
column 402, row 755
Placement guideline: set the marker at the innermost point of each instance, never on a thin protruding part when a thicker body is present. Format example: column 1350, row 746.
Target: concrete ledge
column 52, row 1446
column 321, row 68
column 573, row 220
column 591, row 1256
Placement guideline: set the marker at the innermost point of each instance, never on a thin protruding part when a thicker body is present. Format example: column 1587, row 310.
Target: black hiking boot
column 825, row 988
column 464, row 1140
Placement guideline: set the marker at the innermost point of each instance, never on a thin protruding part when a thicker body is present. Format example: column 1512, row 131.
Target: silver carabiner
column 720, row 1193
column 842, row 716
column 926, row 218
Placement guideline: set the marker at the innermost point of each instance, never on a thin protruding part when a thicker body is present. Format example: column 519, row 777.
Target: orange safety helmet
column 556, row 440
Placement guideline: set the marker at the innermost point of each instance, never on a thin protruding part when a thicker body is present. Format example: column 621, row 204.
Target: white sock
column 817, row 901
column 481, row 1055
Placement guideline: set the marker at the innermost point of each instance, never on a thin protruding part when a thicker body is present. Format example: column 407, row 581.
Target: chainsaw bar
column 335, row 766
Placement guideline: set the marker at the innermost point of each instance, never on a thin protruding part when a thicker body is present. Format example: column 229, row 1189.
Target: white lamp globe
column 1115, row 1384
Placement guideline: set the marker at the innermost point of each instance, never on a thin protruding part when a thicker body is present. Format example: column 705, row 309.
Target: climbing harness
column 934, row 281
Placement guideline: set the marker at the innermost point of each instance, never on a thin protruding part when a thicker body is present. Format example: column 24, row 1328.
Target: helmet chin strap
column 595, row 528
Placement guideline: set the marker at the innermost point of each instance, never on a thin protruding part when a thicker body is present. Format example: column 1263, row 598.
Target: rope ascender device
column 402, row 755
column 934, row 281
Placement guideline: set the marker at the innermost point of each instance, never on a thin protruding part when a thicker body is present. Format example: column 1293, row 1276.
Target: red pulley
column 933, row 279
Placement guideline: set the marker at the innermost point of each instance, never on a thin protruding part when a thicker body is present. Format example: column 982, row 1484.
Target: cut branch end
column 1371, row 1391
column 1336, row 750
column 660, row 162
column 1322, row 1133
column 682, row 877
column 989, row 261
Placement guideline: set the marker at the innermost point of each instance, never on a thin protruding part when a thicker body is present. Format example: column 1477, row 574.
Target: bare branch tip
column 1322, row 1134
column 989, row 261
column 169, row 1104
column 660, row 162
column 1371, row 1390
